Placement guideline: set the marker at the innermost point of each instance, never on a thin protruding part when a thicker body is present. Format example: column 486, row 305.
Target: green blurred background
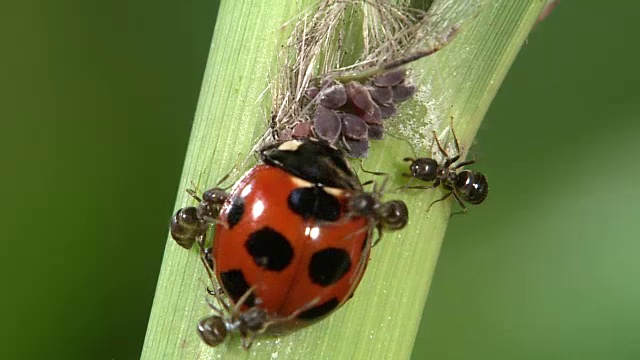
column 97, row 103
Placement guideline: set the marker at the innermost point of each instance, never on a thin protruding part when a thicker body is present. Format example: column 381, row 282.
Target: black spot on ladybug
column 235, row 285
column 235, row 212
column 314, row 202
column 269, row 249
column 319, row 310
column 328, row 266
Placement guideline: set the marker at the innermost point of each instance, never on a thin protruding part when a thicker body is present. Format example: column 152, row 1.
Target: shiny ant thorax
column 466, row 186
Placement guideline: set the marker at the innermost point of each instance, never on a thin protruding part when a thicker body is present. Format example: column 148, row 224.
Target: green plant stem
column 381, row 320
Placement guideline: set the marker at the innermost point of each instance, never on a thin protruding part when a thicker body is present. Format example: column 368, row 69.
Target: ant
column 390, row 215
column 465, row 185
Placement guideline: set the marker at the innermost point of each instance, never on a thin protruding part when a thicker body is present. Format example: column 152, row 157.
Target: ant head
column 471, row 186
column 186, row 225
column 212, row 201
column 215, row 196
column 212, row 330
column 425, row 169
column 394, row 215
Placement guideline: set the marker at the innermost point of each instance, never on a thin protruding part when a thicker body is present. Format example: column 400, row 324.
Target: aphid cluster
column 350, row 113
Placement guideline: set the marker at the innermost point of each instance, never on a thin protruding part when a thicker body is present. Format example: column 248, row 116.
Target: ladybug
column 465, row 185
column 292, row 239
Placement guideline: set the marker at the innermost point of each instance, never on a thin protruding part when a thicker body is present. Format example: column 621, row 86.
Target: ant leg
column 248, row 341
column 205, row 253
column 209, row 267
column 449, row 160
column 377, row 240
column 367, row 183
column 215, row 308
column 406, row 186
column 445, row 197
column 461, row 203
column 193, row 194
column 435, row 184
column 442, row 150
column 373, row 172
column 464, row 163
column 217, row 292
column 455, row 138
column 421, row 187
column 243, row 299
column 385, row 175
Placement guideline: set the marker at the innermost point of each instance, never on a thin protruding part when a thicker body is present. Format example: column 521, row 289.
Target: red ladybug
column 292, row 239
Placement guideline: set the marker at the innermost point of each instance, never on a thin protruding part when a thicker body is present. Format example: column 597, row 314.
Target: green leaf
column 381, row 320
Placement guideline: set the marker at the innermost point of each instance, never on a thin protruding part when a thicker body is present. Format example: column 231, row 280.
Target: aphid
column 466, row 186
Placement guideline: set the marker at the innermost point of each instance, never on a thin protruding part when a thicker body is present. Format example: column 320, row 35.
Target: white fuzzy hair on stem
column 356, row 39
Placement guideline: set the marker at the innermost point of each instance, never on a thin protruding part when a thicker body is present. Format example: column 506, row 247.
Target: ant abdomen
column 212, row 330
column 186, row 226
column 471, row 186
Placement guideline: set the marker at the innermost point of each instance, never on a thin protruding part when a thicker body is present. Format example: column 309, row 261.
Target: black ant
column 465, row 185
column 389, row 215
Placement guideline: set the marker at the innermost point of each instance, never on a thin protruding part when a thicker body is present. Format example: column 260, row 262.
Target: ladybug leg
column 362, row 264
column 378, row 230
